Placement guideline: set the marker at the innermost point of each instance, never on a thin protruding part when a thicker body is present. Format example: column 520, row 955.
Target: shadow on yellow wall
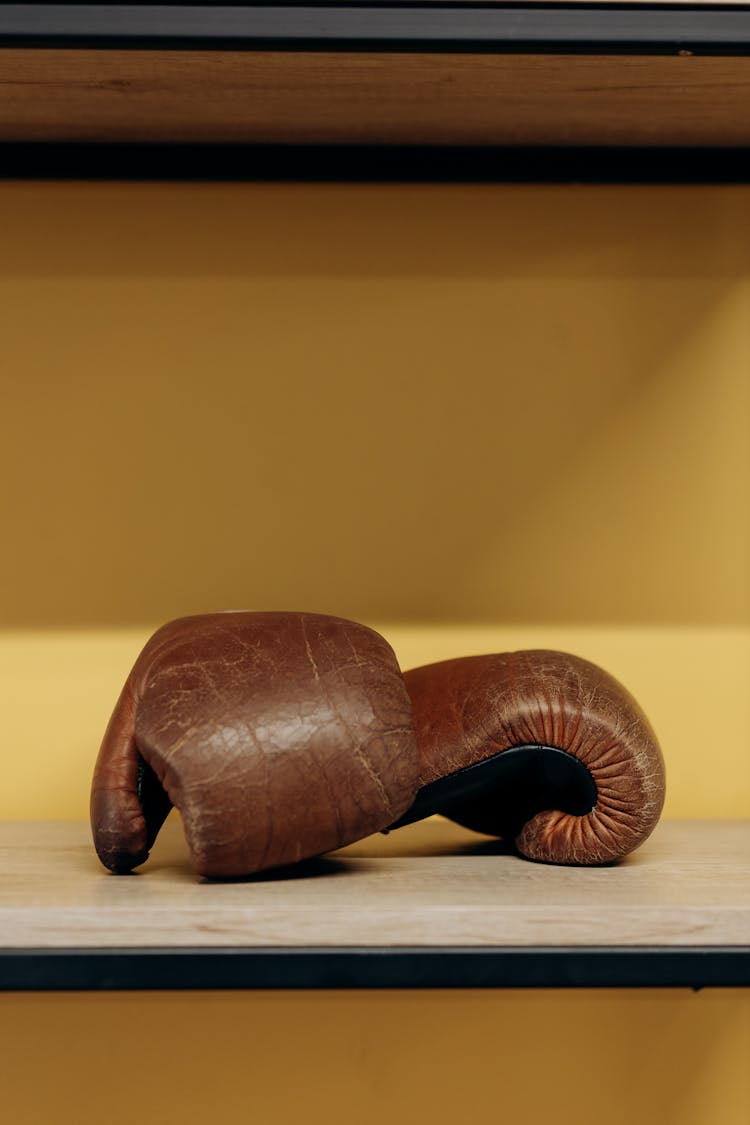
column 404, row 403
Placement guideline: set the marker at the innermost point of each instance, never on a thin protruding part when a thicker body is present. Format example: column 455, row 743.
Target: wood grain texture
column 329, row 98
column 430, row 884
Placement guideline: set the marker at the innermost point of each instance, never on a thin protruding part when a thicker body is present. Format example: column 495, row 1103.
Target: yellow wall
column 478, row 417
column 443, row 1058
column 394, row 403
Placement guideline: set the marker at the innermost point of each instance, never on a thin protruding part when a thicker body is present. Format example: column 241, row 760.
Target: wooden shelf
column 431, row 905
column 449, row 73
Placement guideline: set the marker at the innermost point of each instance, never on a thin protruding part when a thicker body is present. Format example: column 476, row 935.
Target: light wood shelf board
column 432, row 884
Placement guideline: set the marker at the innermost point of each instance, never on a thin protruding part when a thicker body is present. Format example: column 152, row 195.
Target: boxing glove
column 278, row 736
column 540, row 747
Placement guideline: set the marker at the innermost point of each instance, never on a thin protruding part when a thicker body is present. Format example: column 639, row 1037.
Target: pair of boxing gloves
column 281, row 736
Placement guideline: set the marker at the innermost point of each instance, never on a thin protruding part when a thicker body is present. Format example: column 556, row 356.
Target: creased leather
column 278, row 736
column 468, row 709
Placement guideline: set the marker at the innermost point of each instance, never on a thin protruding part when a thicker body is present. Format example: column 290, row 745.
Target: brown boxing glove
column 278, row 736
column 540, row 747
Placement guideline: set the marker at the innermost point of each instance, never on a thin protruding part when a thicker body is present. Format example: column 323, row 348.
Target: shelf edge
column 190, row 968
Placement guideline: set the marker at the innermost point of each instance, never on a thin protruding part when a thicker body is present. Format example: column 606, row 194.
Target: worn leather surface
column 278, row 736
column 468, row 709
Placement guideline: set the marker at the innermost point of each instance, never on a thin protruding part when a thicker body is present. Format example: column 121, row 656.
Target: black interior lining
column 500, row 794
column 153, row 799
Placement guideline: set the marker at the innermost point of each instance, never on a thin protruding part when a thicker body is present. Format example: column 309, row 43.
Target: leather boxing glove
column 540, row 747
column 278, row 736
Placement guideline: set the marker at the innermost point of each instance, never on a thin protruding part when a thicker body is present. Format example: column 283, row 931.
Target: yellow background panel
column 482, row 417
column 649, row 1057
column 482, row 403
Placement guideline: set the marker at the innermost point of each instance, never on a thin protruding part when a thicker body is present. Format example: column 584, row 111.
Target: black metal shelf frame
column 485, row 28
column 373, row 968
column 264, row 163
